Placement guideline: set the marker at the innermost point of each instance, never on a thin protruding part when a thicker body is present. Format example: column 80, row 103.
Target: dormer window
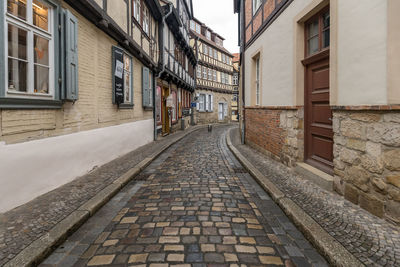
column 208, row 35
column 198, row 28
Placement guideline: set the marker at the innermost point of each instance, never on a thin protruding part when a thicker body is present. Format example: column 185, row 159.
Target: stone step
column 314, row 175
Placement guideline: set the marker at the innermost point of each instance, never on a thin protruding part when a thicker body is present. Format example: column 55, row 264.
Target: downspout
column 160, row 59
column 161, row 36
column 192, row 122
column 242, row 59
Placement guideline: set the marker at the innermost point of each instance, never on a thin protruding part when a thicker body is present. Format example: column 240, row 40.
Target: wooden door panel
column 321, row 113
column 318, row 116
column 323, row 148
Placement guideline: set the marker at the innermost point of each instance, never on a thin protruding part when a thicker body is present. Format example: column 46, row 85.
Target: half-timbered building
column 213, row 74
column 76, row 88
column 176, row 81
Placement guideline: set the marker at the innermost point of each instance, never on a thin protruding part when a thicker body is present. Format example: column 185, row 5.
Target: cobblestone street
column 194, row 205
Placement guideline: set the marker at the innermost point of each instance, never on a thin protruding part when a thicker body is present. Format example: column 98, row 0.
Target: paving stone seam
column 43, row 246
column 334, row 251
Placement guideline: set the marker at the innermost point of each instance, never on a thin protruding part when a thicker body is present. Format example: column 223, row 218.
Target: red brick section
column 257, row 21
column 262, row 129
column 269, row 6
column 248, row 11
column 248, row 34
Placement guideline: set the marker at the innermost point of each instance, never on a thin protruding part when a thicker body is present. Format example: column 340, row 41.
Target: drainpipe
column 161, row 59
column 161, row 36
column 242, row 59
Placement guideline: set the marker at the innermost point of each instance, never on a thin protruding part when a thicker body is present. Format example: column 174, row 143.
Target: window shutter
column 198, row 102
column 207, row 103
column 145, row 87
column 212, row 103
column 71, row 56
column 225, row 109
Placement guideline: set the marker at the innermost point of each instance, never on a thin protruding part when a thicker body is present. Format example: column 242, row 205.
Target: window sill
column 26, row 103
column 126, row 106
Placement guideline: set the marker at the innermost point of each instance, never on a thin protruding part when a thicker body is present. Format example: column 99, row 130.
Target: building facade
column 321, row 88
column 176, row 81
column 76, row 89
column 235, row 83
column 213, row 75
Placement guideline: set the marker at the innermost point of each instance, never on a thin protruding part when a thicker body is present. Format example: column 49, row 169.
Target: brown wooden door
column 165, row 115
column 318, row 116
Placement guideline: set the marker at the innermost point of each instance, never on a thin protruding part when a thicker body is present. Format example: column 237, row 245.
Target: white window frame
column 198, row 71
column 136, row 10
column 145, row 23
column 208, row 35
column 204, row 73
column 235, row 79
column 258, row 81
column 27, row 25
column 198, row 28
column 202, row 103
column 215, row 53
column 192, row 25
column 215, row 75
column 210, row 75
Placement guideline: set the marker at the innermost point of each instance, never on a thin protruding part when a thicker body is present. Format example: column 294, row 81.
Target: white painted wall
column 277, row 59
column 362, row 46
column 31, row 169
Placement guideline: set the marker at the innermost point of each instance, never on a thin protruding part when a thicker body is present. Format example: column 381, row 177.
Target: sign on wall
column 118, row 75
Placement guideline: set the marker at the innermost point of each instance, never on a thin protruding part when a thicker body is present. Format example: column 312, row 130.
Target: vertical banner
column 118, row 75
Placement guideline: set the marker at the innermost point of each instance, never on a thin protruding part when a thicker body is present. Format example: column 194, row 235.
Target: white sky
column 219, row 16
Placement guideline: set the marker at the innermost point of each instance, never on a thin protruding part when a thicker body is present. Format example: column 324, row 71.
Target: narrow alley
column 194, row 205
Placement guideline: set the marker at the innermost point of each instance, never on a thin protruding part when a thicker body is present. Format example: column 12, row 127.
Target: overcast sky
column 219, row 16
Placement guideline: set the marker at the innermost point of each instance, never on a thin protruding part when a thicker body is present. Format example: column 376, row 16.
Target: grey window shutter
column 71, row 56
column 146, row 87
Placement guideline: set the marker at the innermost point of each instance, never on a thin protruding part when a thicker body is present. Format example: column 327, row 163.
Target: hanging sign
column 118, row 75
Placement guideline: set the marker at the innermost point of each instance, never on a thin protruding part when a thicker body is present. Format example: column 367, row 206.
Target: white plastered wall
column 362, row 56
column 31, row 169
column 276, row 46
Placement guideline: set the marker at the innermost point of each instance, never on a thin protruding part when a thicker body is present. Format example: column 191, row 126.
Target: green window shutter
column 146, row 87
column 71, row 56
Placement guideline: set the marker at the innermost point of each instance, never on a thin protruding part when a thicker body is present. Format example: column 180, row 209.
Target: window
column 204, row 73
column 317, row 32
column 192, row 25
column 215, row 54
column 235, row 79
column 205, row 49
column 210, row 51
column 215, row 75
column 235, row 98
column 256, row 6
column 222, row 77
column 208, row 35
column 198, row 71
column 198, row 28
column 30, row 46
column 202, row 102
column 136, row 10
column 258, row 81
column 145, row 23
column 210, row 74
column 209, row 108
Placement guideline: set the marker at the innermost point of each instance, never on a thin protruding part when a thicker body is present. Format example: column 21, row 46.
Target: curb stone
column 335, row 253
column 33, row 254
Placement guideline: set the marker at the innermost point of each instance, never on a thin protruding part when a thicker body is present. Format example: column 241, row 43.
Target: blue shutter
column 71, row 56
column 146, row 87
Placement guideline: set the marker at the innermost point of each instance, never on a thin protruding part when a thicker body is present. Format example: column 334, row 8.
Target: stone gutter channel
column 335, row 252
column 43, row 246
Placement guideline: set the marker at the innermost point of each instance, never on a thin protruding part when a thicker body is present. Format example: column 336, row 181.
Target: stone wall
column 367, row 160
column 278, row 132
column 212, row 116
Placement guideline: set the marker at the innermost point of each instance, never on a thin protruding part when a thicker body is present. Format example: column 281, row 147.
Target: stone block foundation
column 367, row 160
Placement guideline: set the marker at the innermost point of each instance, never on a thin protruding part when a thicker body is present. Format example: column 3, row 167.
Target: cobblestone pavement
column 23, row 225
column 194, row 206
column 372, row 240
